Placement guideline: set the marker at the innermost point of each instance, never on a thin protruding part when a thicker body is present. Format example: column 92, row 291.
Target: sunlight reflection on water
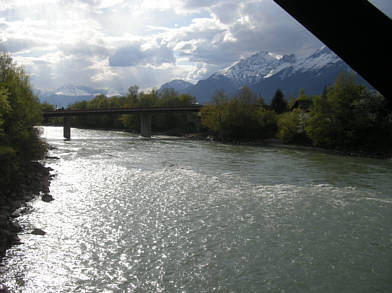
column 135, row 215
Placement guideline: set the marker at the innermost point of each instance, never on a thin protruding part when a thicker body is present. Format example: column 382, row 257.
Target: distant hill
column 178, row 85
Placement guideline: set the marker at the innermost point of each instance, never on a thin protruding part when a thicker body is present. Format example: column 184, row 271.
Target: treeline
column 19, row 112
column 346, row 116
column 177, row 123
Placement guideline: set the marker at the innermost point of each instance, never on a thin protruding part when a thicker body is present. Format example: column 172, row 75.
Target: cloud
column 15, row 45
column 86, row 49
column 118, row 43
column 134, row 55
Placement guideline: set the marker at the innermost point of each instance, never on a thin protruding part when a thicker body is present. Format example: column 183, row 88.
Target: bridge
column 144, row 114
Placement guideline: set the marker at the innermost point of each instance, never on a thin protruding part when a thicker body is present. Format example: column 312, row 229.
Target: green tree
column 288, row 126
column 19, row 112
column 278, row 103
column 348, row 116
column 267, row 122
column 241, row 118
column 4, row 108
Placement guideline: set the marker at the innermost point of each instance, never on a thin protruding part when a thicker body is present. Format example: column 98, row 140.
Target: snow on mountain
column 265, row 64
column 69, row 94
column 254, row 68
column 316, row 61
column 265, row 72
column 72, row 91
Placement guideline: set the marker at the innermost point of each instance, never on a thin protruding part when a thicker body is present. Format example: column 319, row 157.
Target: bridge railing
column 135, row 110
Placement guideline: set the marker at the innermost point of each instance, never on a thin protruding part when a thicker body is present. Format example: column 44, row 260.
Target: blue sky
column 118, row 43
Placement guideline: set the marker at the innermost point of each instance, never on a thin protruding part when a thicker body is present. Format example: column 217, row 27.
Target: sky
column 114, row 44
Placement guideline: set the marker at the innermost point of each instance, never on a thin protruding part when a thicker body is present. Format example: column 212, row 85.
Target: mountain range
column 69, row 94
column 265, row 72
column 262, row 72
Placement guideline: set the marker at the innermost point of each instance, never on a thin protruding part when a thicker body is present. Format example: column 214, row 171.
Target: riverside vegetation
column 21, row 176
column 176, row 124
column 346, row 117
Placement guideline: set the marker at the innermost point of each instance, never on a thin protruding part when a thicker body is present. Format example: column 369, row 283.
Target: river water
column 173, row 215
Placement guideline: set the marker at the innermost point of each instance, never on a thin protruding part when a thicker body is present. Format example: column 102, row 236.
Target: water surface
column 173, row 215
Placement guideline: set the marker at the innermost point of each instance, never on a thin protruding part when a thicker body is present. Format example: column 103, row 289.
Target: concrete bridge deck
column 119, row 111
column 144, row 113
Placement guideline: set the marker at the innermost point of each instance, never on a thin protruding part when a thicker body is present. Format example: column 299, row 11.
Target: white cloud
column 118, row 43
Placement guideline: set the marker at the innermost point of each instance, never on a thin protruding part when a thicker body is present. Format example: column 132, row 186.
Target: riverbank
column 277, row 144
column 34, row 181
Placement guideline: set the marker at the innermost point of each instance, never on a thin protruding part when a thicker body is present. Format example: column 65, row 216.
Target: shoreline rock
column 34, row 181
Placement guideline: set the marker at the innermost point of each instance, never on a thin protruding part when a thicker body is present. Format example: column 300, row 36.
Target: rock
column 3, row 289
column 10, row 237
column 46, row 197
column 38, row 231
column 52, row 158
column 3, row 218
column 17, row 213
column 28, row 197
column 14, row 227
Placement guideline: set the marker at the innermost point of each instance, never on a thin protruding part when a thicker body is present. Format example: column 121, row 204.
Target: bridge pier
column 67, row 128
column 145, row 124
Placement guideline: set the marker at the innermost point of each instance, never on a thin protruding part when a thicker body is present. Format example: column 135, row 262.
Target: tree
column 220, row 98
column 246, row 96
column 4, row 108
column 240, row 118
column 349, row 117
column 19, row 112
column 266, row 122
column 288, row 126
column 278, row 103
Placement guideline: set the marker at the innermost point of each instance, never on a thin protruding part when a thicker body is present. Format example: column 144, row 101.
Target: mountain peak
column 258, row 66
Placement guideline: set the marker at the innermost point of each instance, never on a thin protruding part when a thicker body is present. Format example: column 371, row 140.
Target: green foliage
column 46, row 107
column 348, row 116
column 288, row 126
column 4, row 108
column 240, row 118
column 345, row 116
column 162, row 122
column 278, row 103
column 267, row 122
column 20, row 111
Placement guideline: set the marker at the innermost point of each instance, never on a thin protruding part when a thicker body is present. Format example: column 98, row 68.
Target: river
column 173, row 215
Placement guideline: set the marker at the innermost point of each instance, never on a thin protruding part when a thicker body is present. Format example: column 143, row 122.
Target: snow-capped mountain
column 69, row 94
column 264, row 65
column 320, row 59
column 265, row 72
column 258, row 66
column 72, row 91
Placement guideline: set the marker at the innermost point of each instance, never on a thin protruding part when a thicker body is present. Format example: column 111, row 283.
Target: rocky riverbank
column 34, row 182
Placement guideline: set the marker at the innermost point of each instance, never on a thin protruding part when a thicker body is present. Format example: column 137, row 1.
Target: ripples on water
column 169, row 215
